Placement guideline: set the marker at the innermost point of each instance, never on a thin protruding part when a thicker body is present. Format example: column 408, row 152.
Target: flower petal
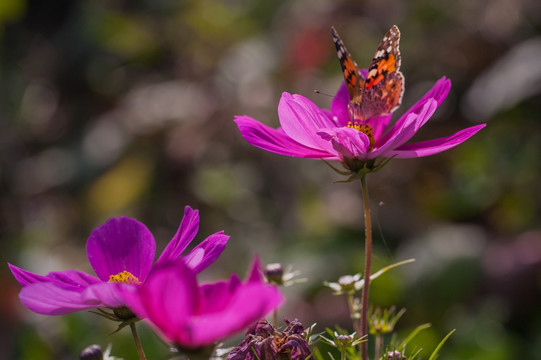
column 25, row 277
column 348, row 142
column 438, row 93
column 339, row 105
column 185, row 234
column 121, row 244
column 255, row 274
column 275, row 140
column 379, row 124
column 430, row 147
column 51, row 299
column 301, row 119
column 405, row 130
column 107, row 293
column 67, row 279
column 206, row 252
column 249, row 303
column 215, row 296
column 167, row 299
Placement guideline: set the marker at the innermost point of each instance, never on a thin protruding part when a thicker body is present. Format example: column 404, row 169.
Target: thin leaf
column 435, row 353
column 389, row 267
column 336, row 169
column 413, row 356
column 414, row 333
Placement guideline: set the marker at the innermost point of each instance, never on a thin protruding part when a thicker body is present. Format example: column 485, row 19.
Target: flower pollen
column 124, row 277
column 364, row 128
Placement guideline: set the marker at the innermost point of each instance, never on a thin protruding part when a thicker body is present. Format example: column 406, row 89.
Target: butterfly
column 380, row 93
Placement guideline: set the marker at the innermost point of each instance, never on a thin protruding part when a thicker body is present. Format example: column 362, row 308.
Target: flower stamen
column 363, row 127
column 124, row 277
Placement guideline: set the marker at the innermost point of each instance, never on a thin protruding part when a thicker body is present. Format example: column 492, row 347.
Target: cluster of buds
column 264, row 342
column 383, row 321
column 396, row 355
column 342, row 341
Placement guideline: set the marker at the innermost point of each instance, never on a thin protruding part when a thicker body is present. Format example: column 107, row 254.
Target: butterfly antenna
column 322, row 93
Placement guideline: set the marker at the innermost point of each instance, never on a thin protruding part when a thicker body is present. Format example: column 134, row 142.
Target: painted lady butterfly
column 381, row 92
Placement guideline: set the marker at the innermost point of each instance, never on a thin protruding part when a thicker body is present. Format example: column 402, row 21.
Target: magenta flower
column 310, row 132
column 121, row 252
column 192, row 316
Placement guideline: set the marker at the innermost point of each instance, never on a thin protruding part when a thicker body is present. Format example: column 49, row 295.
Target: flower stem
column 367, row 267
column 378, row 346
column 352, row 313
column 137, row 342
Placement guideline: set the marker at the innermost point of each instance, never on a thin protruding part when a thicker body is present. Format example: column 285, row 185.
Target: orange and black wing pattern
column 381, row 92
column 354, row 79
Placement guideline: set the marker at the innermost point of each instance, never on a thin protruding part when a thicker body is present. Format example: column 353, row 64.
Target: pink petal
column 301, row 119
column 339, row 105
column 379, row 124
column 438, row 93
column 435, row 146
column 185, row 234
column 405, row 129
column 106, row 293
column 68, row 279
column 51, row 299
column 121, row 244
column 206, row 252
column 249, row 303
column 255, row 274
column 25, row 277
column 275, row 140
column 348, row 142
column 215, row 296
column 167, row 299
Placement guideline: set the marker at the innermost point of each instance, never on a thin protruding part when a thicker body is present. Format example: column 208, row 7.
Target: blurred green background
column 120, row 107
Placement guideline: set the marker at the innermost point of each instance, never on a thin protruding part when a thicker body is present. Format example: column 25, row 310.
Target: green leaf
column 389, row 267
column 435, row 353
column 414, row 333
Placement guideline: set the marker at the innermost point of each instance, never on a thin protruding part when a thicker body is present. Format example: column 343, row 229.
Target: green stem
column 275, row 318
column 367, row 267
column 352, row 313
column 137, row 342
column 378, row 347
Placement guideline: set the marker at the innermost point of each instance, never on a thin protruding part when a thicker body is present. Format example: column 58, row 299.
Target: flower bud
column 344, row 340
column 93, row 352
column 346, row 284
column 123, row 313
column 274, row 274
column 396, row 355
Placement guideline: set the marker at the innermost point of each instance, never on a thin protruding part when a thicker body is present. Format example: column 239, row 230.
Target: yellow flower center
column 124, row 277
column 364, row 128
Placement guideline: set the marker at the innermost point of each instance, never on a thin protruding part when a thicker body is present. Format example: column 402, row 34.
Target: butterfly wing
column 354, row 80
column 384, row 86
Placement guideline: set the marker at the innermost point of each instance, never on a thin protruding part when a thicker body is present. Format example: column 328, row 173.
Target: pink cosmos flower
column 190, row 315
column 310, row 132
column 121, row 252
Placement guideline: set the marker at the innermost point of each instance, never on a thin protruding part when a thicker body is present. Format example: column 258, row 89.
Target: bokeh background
column 120, row 107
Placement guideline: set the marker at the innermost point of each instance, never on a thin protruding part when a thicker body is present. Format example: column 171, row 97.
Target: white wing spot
column 372, row 73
